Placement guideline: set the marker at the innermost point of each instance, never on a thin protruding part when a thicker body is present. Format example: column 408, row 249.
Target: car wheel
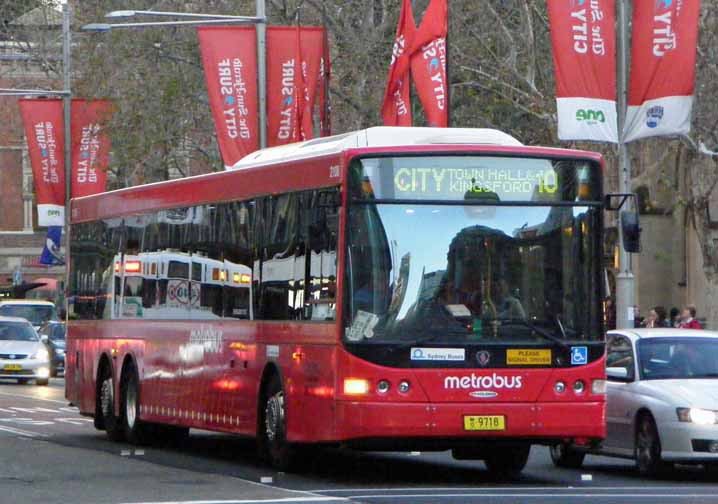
column 273, row 442
column 53, row 372
column 41, row 382
column 106, row 401
column 135, row 430
column 22, row 381
column 563, row 455
column 506, row 463
column 648, row 447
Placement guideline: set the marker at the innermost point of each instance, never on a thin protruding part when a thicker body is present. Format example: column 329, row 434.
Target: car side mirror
column 617, row 373
column 44, row 338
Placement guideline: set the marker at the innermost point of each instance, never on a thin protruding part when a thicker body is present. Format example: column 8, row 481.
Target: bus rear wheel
column 135, row 430
column 274, row 447
column 507, row 462
column 563, row 455
column 106, row 405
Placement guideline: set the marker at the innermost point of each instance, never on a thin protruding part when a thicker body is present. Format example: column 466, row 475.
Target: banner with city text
column 396, row 106
column 90, row 146
column 43, row 123
column 229, row 58
column 663, row 60
column 428, row 63
column 583, row 36
column 291, row 96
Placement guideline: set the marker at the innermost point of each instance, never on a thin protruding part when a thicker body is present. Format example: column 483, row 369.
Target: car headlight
column 41, row 354
column 697, row 416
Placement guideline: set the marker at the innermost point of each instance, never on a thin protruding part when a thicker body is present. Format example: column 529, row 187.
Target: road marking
column 496, row 489
column 20, row 432
column 539, row 496
column 251, row 501
column 33, row 398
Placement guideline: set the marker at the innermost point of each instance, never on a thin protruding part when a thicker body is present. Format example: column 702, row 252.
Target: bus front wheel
column 274, row 446
column 506, row 463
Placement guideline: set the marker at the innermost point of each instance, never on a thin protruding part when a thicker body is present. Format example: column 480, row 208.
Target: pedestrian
column 661, row 317
column 650, row 321
column 610, row 314
column 674, row 318
column 637, row 319
column 688, row 318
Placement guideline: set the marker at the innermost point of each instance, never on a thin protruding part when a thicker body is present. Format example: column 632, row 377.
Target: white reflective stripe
column 587, row 119
column 670, row 115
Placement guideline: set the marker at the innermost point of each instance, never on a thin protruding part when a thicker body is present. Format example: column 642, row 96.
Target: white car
column 22, row 355
column 662, row 400
column 36, row 311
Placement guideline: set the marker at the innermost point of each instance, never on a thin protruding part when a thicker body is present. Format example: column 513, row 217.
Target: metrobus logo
column 493, row 381
column 590, row 116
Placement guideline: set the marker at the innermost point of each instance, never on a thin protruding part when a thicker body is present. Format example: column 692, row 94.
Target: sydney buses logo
column 493, row 381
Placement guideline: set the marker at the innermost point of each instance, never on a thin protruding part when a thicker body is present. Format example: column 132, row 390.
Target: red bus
column 387, row 289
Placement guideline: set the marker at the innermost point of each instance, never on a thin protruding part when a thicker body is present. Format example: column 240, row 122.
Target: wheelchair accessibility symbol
column 579, row 355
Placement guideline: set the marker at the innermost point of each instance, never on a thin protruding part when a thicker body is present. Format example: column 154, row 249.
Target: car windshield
column 679, row 357
column 17, row 331
column 428, row 271
column 35, row 314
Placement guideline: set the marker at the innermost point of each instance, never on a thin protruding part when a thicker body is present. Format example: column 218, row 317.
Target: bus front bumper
column 545, row 422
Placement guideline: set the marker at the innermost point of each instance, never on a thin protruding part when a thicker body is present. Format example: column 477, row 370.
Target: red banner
column 396, row 106
column 325, row 119
column 663, row 60
column 43, row 121
column 583, row 35
column 428, row 63
column 229, row 58
column 291, row 96
column 90, row 146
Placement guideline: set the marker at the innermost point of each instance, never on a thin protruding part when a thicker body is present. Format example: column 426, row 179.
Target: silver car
column 23, row 356
column 662, row 400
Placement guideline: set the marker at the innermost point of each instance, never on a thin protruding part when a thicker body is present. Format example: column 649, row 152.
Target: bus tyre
column 41, row 382
column 563, row 455
column 135, row 430
column 648, row 447
column 274, row 446
column 106, row 406
column 506, row 463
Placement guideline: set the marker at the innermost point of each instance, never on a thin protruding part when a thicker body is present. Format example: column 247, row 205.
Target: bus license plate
column 485, row 423
column 12, row 367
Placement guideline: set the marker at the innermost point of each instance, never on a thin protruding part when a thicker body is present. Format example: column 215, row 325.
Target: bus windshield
column 437, row 268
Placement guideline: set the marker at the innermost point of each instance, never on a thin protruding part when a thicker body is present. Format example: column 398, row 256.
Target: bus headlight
column 355, row 386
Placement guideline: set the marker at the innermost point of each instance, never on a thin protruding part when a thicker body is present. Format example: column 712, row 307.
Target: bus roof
column 380, row 136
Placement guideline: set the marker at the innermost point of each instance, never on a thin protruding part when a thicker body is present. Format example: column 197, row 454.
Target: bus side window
column 321, row 282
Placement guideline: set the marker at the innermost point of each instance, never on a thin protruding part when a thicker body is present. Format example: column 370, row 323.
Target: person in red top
column 688, row 318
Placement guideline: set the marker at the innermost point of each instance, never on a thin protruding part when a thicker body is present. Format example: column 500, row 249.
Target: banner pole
column 67, row 102
column 625, row 281
column 262, row 72
column 448, row 67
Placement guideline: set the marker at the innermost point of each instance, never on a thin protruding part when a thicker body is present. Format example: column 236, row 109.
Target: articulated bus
column 387, row 289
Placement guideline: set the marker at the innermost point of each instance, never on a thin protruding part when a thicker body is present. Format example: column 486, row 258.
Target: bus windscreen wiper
column 539, row 330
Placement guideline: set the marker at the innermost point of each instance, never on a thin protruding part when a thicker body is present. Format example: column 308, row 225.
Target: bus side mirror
column 631, row 230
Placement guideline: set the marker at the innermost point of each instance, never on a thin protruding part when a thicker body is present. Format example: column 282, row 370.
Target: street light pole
column 625, row 281
column 67, row 101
